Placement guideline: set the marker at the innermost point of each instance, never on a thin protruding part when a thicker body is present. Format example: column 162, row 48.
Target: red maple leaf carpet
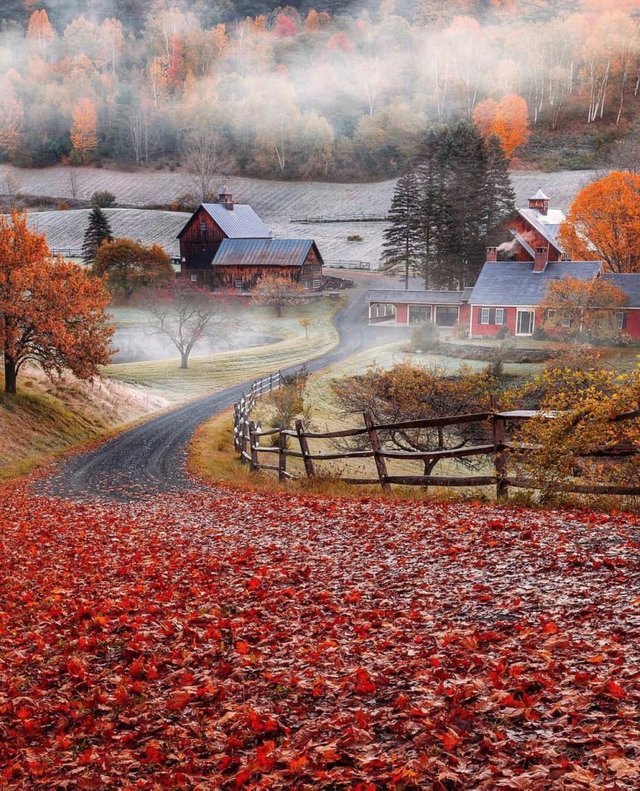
column 239, row 640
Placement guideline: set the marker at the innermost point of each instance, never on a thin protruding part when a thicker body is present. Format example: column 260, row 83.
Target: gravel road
column 151, row 458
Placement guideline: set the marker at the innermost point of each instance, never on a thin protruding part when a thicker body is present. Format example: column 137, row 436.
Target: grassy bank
column 47, row 418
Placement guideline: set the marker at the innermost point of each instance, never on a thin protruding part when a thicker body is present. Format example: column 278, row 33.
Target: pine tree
column 401, row 247
column 98, row 230
column 501, row 198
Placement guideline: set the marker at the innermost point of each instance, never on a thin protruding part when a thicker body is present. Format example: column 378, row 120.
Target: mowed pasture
column 65, row 229
column 277, row 202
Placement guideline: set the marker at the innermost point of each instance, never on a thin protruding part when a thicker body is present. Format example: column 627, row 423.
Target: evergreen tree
column 98, row 230
column 465, row 196
column 401, row 247
column 501, row 198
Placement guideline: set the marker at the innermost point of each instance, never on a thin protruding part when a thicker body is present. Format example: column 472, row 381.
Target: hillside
column 277, row 202
column 46, row 418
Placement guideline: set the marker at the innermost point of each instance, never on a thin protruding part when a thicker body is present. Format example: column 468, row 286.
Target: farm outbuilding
column 225, row 245
column 401, row 308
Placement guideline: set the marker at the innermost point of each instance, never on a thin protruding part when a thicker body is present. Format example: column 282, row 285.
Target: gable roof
column 432, row 297
column 539, row 196
column 629, row 283
column 264, row 252
column 508, row 283
column 547, row 224
column 240, row 222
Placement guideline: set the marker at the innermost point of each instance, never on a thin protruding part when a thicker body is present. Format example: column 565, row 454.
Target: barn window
column 194, row 277
column 484, row 315
column 203, row 230
column 499, row 315
column 238, row 283
column 315, row 284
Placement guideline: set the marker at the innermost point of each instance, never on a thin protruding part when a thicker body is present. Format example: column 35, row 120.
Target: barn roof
column 547, row 224
column 240, row 222
column 507, row 283
column 264, row 252
column 432, row 297
column 629, row 283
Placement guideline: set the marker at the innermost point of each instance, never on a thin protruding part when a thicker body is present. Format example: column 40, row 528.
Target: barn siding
column 533, row 237
column 199, row 247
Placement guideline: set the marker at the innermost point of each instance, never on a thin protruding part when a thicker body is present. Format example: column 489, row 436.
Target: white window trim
column 501, row 312
column 619, row 319
column 533, row 323
column 194, row 277
column 485, row 315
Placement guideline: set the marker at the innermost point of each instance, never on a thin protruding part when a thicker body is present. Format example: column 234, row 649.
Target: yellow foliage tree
column 583, row 308
column 84, row 137
column 604, row 223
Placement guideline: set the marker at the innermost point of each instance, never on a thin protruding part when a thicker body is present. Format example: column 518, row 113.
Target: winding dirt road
column 150, row 459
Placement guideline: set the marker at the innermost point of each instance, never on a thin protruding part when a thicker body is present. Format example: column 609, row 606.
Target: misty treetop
column 312, row 90
column 448, row 207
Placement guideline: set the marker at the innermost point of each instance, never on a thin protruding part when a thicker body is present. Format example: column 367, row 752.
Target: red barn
column 535, row 228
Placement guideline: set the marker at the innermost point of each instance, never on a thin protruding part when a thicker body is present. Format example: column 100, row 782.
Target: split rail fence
column 248, row 436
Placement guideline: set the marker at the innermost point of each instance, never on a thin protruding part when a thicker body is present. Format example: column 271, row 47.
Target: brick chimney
column 492, row 254
column 225, row 198
column 541, row 259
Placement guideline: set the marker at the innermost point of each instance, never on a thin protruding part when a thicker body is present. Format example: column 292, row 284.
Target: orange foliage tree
column 51, row 311
column 128, row 266
column 604, row 223
column 84, row 137
column 507, row 119
column 581, row 307
column 39, row 30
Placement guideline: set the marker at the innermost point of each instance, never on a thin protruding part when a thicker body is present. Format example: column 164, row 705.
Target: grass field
column 207, row 373
column 277, row 202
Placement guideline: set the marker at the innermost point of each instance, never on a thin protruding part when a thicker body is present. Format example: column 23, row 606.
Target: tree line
column 447, row 207
column 327, row 90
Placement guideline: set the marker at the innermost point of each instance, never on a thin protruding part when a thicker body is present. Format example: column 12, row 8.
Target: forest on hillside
column 314, row 90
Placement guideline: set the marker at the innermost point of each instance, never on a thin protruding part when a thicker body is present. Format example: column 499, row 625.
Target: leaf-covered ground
column 228, row 640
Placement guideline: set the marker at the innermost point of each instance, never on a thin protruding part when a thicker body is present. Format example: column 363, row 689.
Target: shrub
column 103, row 199
column 424, row 337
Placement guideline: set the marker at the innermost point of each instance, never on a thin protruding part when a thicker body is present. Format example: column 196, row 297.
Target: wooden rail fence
column 249, row 435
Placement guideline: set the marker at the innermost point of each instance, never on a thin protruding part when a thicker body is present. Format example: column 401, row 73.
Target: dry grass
column 47, row 418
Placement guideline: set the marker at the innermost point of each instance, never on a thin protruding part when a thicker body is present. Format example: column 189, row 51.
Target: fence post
column 500, row 456
column 253, row 441
column 245, row 439
column 381, row 465
column 304, row 449
column 282, row 455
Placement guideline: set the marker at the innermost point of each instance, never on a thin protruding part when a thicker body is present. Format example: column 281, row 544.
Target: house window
column 499, row 315
column 379, row 311
column 565, row 318
column 550, row 316
column 484, row 315
column 194, row 277
column 620, row 319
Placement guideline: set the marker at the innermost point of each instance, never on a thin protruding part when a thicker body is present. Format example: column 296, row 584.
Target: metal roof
column 415, row 297
column 547, row 224
column 629, row 283
column 507, row 283
column 263, row 252
column 240, row 222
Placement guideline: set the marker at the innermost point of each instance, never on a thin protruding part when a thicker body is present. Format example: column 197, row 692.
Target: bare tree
column 187, row 314
column 74, row 186
column 205, row 159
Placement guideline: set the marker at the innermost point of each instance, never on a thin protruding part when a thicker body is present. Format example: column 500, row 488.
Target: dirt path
column 150, row 458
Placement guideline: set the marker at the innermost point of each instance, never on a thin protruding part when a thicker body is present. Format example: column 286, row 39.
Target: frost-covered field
column 277, row 202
